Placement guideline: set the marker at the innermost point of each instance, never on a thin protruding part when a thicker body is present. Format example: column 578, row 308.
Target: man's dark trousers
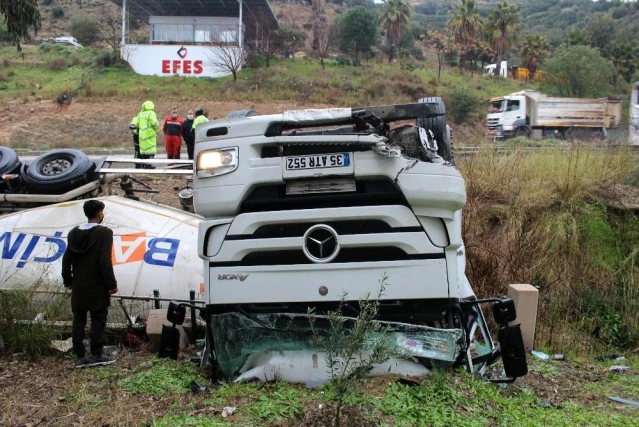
column 98, row 323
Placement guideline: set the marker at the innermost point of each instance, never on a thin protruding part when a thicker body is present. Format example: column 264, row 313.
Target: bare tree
column 318, row 14
column 267, row 43
column 111, row 29
column 227, row 58
column 325, row 37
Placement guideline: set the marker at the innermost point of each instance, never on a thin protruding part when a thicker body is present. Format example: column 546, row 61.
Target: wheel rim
column 56, row 167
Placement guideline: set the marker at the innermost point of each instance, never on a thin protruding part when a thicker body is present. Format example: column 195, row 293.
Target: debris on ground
column 540, row 355
column 228, row 411
column 196, row 387
column 625, row 401
column 559, row 357
column 619, row 369
column 62, row 346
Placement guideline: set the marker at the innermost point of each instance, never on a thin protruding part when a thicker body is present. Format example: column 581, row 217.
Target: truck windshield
column 496, row 106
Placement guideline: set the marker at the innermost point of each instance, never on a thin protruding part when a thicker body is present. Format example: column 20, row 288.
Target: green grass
column 187, row 420
column 160, row 377
column 47, row 73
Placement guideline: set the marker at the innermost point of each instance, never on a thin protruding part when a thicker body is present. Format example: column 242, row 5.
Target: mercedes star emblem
column 320, row 243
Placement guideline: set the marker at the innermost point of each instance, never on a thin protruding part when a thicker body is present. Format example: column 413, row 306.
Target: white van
column 67, row 40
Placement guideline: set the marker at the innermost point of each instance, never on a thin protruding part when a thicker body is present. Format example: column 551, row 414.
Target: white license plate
column 318, row 161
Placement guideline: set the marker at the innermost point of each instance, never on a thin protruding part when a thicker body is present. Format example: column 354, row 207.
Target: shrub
column 45, row 46
column 85, row 29
column 105, row 60
column 33, row 337
column 343, row 61
column 256, row 61
column 461, row 105
column 417, row 53
column 57, row 12
column 58, row 64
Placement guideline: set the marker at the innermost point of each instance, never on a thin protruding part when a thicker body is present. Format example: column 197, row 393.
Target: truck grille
column 492, row 123
column 362, row 226
column 368, row 193
column 297, row 257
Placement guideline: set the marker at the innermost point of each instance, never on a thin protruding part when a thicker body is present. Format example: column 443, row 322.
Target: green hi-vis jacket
column 148, row 126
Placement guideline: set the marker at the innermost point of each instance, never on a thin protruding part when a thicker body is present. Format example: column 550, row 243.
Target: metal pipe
column 50, row 198
column 193, row 336
column 156, row 294
column 129, row 297
column 240, row 36
column 123, row 26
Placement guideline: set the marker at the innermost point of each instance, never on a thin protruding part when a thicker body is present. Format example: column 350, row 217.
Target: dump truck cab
column 304, row 207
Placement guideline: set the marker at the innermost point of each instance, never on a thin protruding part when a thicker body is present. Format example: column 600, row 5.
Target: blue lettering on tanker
column 160, row 252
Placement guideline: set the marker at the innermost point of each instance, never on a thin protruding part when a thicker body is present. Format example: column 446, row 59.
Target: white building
column 187, row 37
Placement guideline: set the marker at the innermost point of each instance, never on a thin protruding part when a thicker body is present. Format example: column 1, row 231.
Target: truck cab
column 506, row 116
column 310, row 209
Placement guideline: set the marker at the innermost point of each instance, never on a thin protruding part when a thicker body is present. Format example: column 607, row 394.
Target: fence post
column 193, row 318
column 156, row 294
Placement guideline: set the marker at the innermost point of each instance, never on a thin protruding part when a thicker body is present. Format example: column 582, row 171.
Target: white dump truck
column 306, row 206
column 534, row 115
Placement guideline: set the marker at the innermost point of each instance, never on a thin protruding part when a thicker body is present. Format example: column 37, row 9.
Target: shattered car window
column 237, row 336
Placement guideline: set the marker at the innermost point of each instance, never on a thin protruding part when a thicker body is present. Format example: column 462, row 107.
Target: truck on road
column 534, row 115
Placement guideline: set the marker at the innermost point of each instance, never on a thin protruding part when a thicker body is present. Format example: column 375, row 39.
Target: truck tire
column 8, row 160
column 242, row 113
column 438, row 126
column 58, row 171
column 9, row 163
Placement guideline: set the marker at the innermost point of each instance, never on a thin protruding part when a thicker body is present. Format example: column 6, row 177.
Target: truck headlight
column 217, row 162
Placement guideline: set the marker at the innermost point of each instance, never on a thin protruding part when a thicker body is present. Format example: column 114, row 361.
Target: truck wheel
column 58, row 171
column 438, row 126
column 242, row 113
column 9, row 161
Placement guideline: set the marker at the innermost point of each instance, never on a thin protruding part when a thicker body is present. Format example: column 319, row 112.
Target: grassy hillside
column 31, row 81
column 553, row 18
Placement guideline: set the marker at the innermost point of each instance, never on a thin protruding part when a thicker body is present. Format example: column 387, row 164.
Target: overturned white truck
column 304, row 206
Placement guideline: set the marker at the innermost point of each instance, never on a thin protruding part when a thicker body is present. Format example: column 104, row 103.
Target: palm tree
column 503, row 22
column 533, row 51
column 396, row 14
column 464, row 24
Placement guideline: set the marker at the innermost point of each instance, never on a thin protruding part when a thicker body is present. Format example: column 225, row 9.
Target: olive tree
column 20, row 16
column 357, row 31
column 577, row 71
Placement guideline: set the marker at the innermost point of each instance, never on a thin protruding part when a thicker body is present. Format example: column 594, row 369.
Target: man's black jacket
column 88, row 269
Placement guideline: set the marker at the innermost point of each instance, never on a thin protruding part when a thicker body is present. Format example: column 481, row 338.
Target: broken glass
column 236, row 336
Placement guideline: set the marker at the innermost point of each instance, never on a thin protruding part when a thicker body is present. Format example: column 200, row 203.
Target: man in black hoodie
column 87, row 269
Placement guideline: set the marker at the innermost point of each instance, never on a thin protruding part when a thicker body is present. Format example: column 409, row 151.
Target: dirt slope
column 42, row 125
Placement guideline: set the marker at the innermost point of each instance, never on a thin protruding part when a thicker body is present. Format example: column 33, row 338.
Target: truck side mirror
column 504, row 311
column 176, row 313
column 511, row 342
column 513, row 353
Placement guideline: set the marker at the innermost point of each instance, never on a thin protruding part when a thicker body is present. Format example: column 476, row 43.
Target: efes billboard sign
column 173, row 60
column 182, row 65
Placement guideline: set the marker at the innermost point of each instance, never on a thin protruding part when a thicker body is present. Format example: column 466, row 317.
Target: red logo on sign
column 186, row 66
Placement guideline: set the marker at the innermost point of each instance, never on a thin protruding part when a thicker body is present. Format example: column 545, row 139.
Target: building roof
column 253, row 10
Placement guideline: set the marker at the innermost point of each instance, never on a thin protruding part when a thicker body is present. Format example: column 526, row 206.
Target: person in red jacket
column 172, row 129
